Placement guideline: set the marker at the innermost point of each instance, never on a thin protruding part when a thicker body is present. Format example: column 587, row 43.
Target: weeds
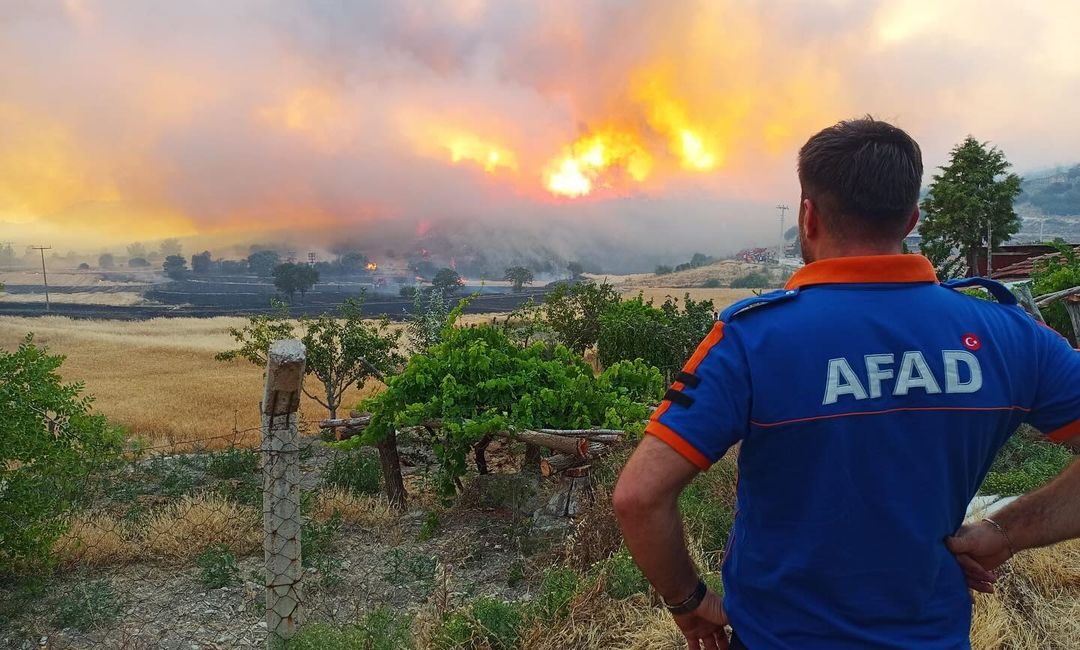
column 1024, row 464
column 410, row 568
column 557, row 589
column 90, row 605
column 233, row 464
column 219, row 568
column 430, row 526
column 356, row 470
column 380, row 629
column 622, row 577
column 489, row 623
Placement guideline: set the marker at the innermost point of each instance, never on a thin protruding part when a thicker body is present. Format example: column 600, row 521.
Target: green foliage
column 380, row 629
column 477, row 381
column 752, row 280
column 663, row 269
column 291, row 278
column 175, row 266
column 701, row 259
column 317, row 542
column 343, row 350
column 712, row 283
column 557, row 588
column 430, row 527
column 356, row 470
column 404, row 568
column 1024, row 464
column 447, row 281
column 233, row 463
column 973, row 193
column 219, row 567
column 518, row 277
column 487, row 624
column 425, row 322
column 50, row 445
column 663, row 337
column 573, row 312
column 263, row 263
column 89, row 605
column 623, row 577
column 1056, row 274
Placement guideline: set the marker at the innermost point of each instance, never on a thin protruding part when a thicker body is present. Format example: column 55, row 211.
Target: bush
column 489, row 623
column 557, row 589
column 663, row 269
column 50, row 445
column 712, row 283
column 356, row 470
column 574, row 312
column 752, row 280
column 1056, row 274
column 219, row 568
column 664, row 337
column 623, row 577
column 233, row 464
column 380, row 629
column 90, row 605
column 1024, row 464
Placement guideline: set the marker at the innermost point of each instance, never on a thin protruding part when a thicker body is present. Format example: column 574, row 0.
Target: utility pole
column 44, row 273
column 780, row 254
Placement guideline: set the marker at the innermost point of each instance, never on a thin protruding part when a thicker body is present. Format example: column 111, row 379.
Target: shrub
column 664, row 337
column 1056, row 274
column 317, row 540
column 663, row 269
column 488, row 624
column 233, row 463
column 219, row 568
column 752, row 280
column 356, row 470
column 50, row 445
column 574, row 311
column 430, row 526
column 380, row 629
column 557, row 589
column 409, row 568
column 712, row 283
column 623, row 577
column 1024, row 464
column 90, row 605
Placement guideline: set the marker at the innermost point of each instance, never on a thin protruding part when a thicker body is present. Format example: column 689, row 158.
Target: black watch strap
column 691, row 603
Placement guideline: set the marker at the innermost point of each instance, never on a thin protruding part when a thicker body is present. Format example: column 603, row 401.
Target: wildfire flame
column 372, row 266
column 606, row 155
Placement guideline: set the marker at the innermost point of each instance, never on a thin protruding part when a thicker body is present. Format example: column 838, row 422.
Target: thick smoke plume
column 648, row 126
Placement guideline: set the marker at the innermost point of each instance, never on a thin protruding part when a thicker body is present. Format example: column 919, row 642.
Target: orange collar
column 871, row 269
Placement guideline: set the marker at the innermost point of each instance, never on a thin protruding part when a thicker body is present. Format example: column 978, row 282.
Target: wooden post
column 1072, row 305
column 1027, row 301
column 281, row 490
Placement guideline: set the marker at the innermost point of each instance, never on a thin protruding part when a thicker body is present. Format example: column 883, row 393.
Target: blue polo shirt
column 870, row 402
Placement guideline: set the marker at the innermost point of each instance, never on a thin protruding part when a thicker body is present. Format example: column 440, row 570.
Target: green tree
column 263, row 263
column 106, row 261
column 50, row 445
column 175, row 266
column 170, row 247
column 663, row 337
column 138, row 263
column 663, row 269
column 477, row 381
column 424, row 324
column 971, row 199
column 447, row 281
column 573, row 312
column 290, row 278
column 201, row 263
column 575, row 269
column 518, row 277
column 136, row 249
column 700, row 259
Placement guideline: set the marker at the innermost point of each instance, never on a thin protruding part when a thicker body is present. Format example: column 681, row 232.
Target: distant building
column 1014, row 263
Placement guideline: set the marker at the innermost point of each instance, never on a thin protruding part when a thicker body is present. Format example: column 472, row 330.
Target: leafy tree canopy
column 1057, row 274
column 518, row 276
column 290, row 278
column 664, row 337
column 969, row 200
column 262, row 263
column 447, row 281
column 175, row 266
column 573, row 312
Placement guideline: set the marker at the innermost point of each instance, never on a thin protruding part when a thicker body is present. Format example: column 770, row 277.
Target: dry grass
column 173, row 534
column 116, row 298
column 364, row 511
column 159, row 379
column 721, row 297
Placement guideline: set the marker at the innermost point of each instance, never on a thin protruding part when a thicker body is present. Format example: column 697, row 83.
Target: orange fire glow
column 607, row 156
column 372, row 266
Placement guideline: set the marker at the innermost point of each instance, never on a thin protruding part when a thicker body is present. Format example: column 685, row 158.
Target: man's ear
column 809, row 220
column 914, row 221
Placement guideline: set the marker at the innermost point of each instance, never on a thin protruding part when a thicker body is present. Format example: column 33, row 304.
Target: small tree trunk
column 393, row 484
column 331, row 401
column 531, row 464
column 479, row 450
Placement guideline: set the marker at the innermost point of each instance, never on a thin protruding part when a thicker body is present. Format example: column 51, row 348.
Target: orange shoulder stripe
column 1066, row 432
column 676, row 442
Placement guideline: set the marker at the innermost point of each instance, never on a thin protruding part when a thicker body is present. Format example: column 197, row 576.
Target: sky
column 665, row 126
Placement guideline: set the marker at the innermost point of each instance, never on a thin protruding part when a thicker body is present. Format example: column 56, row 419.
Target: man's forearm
column 654, row 535
column 1046, row 516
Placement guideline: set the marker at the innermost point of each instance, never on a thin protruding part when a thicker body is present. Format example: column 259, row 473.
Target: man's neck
column 849, row 250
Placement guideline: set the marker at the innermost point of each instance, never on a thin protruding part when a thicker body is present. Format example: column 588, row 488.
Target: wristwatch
column 691, row 603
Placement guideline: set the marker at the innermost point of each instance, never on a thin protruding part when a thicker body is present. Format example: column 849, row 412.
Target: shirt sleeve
column 1056, row 409
column 707, row 409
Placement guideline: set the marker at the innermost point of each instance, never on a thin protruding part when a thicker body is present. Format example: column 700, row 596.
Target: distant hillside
column 1055, row 194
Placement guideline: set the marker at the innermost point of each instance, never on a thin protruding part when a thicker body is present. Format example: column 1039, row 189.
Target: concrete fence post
column 281, row 490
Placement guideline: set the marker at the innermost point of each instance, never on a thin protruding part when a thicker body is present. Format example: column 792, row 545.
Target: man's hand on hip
column 704, row 627
column 980, row 548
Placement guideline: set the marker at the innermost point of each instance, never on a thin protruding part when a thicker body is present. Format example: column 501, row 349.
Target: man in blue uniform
column 869, row 401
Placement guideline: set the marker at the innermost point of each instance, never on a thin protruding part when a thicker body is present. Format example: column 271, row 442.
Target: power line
column 780, row 253
column 44, row 273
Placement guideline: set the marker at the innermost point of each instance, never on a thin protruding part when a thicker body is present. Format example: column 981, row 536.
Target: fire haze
column 222, row 122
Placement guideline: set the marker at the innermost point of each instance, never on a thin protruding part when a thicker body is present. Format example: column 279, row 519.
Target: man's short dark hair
column 864, row 177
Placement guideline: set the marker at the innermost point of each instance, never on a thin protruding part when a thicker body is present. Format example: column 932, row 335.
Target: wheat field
column 158, row 378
